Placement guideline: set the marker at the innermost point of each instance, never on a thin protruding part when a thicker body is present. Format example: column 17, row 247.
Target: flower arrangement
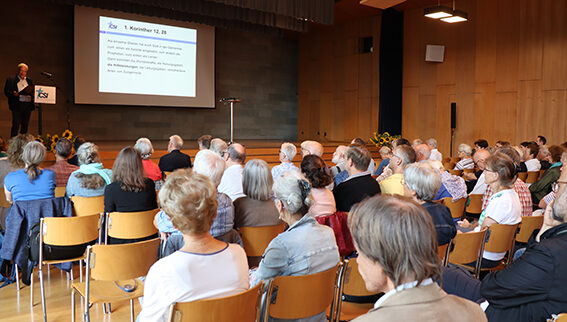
column 384, row 139
column 49, row 141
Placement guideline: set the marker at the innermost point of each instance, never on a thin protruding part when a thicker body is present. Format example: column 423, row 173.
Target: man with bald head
column 475, row 181
column 311, row 147
column 422, row 152
column 231, row 181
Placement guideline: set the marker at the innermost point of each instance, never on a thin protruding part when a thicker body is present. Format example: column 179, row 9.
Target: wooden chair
column 294, row 297
column 455, row 159
column 446, row 159
column 561, row 318
column 457, row 207
column 456, row 172
column 443, row 253
column 474, row 204
column 3, row 201
column 353, row 285
column 468, row 170
column 532, row 176
column 64, row 231
column 448, row 165
column 130, row 225
column 256, row 239
column 166, row 174
column 59, row 192
column 523, row 176
column 242, row 307
column 468, row 247
column 501, row 239
column 84, row 206
column 527, row 227
column 112, row 265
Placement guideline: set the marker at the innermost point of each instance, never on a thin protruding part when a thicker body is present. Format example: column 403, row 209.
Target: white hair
column 432, row 142
column 290, row 188
column 289, row 150
column 209, row 164
column 313, row 147
column 176, row 141
column 423, row 179
column 144, row 147
column 465, row 148
column 219, row 146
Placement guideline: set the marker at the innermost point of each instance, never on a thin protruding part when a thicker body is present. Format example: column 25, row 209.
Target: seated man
column 394, row 184
column 175, row 159
column 422, row 152
column 435, row 154
column 531, row 150
column 362, row 143
column 311, row 147
column 204, row 142
column 475, row 181
column 338, row 170
column 62, row 168
column 287, row 153
column 231, row 182
column 397, row 254
column 359, row 184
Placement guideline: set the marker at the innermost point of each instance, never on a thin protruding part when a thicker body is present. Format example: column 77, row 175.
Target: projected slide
column 146, row 58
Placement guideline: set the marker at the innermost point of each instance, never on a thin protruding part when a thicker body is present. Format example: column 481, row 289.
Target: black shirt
column 174, row 160
column 353, row 191
column 116, row 199
column 442, row 220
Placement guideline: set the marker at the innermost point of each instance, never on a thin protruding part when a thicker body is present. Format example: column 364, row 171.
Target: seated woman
column 422, row 183
column 385, row 154
column 313, row 167
column 504, row 205
column 145, row 148
column 31, row 182
column 256, row 209
column 91, row 178
column 465, row 153
column 544, row 185
column 395, row 240
column 306, row 247
column 204, row 267
column 129, row 191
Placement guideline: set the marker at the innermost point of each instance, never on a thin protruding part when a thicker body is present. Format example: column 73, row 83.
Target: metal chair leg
column 131, row 310
column 72, row 305
column 31, row 289
column 42, row 291
column 72, row 277
column 104, row 308
column 17, row 277
column 81, row 270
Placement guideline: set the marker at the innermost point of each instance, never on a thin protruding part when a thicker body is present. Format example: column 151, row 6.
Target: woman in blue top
column 31, row 182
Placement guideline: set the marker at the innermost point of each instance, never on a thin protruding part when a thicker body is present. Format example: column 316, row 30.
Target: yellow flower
column 52, row 147
column 67, row 134
column 39, row 139
column 55, row 138
column 386, row 134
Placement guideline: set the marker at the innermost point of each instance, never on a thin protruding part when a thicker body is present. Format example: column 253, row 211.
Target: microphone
column 46, row 74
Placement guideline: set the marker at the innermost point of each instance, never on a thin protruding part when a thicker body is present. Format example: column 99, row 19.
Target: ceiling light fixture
column 457, row 16
column 438, row 12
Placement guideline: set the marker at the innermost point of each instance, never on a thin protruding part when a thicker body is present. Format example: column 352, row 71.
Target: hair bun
column 305, row 188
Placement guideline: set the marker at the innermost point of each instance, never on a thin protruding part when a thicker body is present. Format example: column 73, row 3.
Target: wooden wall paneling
column 365, row 83
column 326, row 114
column 350, row 114
column 374, row 118
column 446, row 69
column 338, row 122
column 412, row 47
column 507, row 46
column 410, row 115
column 427, row 113
column 465, row 61
column 314, row 127
column 555, row 45
column 504, row 117
column 351, row 79
column 464, row 133
column 529, row 113
column 364, row 128
column 485, row 45
column 555, row 106
column 445, row 95
column 428, row 70
column 484, row 99
column 531, row 38
column 303, row 116
column 376, row 21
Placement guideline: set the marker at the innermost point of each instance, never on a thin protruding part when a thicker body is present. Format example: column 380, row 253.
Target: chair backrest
column 457, row 208
column 59, row 191
column 467, row 247
column 443, row 253
column 3, row 201
column 522, row 176
column 294, row 297
column 130, row 225
column 353, row 283
column 474, row 205
column 532, row 176
column 455, row 172
column 541, row 172
column 85, row 206
column 256, row 239
column 527, row 227
column 501, row 238
column 68, row 231
column 121, row 262
column 468, row 170
column 166, row 174
column 455, row 159
column 561, row 318
column 242, row 307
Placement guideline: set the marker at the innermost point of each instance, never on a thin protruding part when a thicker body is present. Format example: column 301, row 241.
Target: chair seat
column 107, row 291
column 350, row 310
column 59, row 261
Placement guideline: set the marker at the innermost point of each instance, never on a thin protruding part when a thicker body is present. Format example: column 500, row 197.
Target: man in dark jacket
column 19, row 91
column 175, row 159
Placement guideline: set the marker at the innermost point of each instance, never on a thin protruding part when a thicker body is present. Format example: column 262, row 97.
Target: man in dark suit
column 175, row 159
column 359, row 183
column 19, row 90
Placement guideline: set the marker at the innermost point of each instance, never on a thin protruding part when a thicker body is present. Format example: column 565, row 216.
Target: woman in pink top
column 313, row 167
column 145, row 148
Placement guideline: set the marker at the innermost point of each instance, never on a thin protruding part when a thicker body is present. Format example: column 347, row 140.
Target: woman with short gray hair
column 91, row 178
column 31, row 182
column 421, row 182
column 311, row 247
column 464, row 151
column 145, row 149
column 256, row 208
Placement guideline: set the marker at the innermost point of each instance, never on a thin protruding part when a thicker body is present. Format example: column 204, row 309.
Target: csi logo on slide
column 111, row 25
column 41, row 93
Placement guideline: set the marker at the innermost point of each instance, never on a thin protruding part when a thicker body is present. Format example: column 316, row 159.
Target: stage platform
column 255, row 149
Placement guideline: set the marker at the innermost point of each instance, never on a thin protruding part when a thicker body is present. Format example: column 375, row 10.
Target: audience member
column 313, row 168
column 544, row 156
column 204, row 142
column 403, row 155
column 306, row 247
column 174, row 159
column 287, row 153
column 231, row 182
column 454, row 185
column 480, row 144
column 387, row 171
column 91, row 178
column 77, row 142
column 501, row 144
column 435, row 154
column 422, row 182
column 504, row 206
column 204, row 267
column 541, row 140
column 359, row 184
column 311, row 147
column 547, row 199
column 31, row 182
column 475, row 181
column 464, row 151
column 62, row 168
column 545, row 184
column 362, row 143
column 416, row 142
column 385, row 154
column 130, row 190
column 397, row 254
column 339, row 170
column 530, row 153
column 220, row 147
column 145, row 148
column 256, row 208
column 422, row 152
